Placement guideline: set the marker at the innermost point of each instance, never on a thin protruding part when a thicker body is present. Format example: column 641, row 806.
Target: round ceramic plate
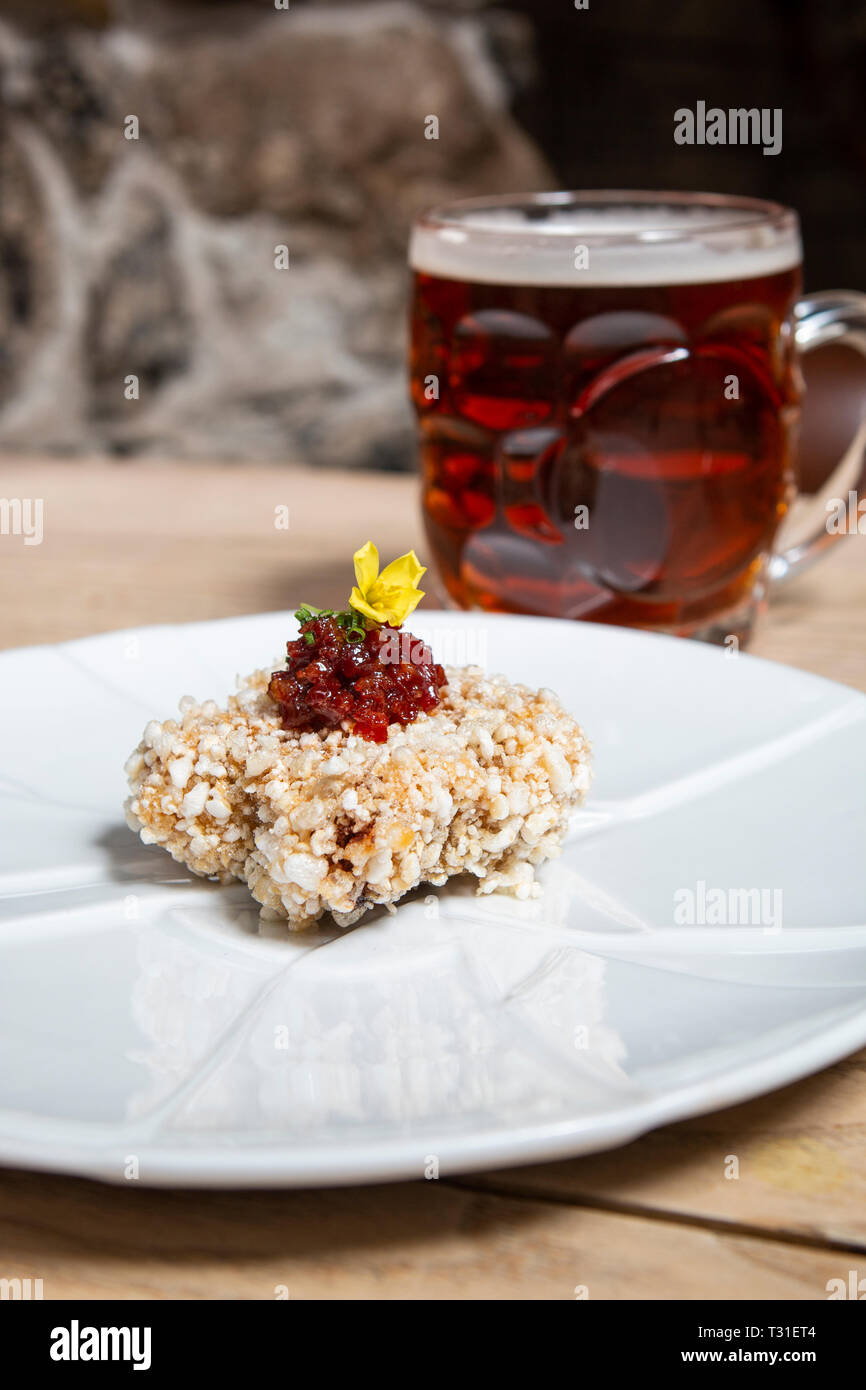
column 701, row 940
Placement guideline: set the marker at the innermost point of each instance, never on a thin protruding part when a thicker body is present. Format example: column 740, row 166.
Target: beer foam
column 564, row 241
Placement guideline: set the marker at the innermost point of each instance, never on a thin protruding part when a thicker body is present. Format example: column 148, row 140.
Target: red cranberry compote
column 385, row 677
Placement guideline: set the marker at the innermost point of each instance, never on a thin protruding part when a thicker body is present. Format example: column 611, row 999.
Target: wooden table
column 140, row 543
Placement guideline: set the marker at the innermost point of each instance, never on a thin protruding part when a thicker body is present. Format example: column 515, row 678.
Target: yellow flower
column 388, row 597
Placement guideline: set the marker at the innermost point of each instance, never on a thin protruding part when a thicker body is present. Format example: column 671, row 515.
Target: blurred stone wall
column 154, row 258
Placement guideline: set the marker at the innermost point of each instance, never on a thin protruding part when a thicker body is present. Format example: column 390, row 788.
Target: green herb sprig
column 353, row 623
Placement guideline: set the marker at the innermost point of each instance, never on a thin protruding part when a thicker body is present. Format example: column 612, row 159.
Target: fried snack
column 319, row 821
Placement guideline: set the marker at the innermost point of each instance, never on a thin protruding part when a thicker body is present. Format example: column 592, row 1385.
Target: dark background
column 609, row 80
column 597, row 89
column 258, row 127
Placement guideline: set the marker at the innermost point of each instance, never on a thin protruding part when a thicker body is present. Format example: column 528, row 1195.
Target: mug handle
column 834, row 316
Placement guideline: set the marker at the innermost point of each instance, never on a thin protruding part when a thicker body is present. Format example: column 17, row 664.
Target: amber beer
column 606, row 393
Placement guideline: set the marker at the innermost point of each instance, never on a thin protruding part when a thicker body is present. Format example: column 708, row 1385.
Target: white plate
column 146, row 1026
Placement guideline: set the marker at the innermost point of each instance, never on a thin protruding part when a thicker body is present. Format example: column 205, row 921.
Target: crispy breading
column 328, row 822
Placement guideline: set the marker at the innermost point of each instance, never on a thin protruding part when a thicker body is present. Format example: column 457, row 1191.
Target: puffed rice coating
column 319, row 822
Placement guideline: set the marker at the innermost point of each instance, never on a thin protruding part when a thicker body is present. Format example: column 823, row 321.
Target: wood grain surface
column 126, row 544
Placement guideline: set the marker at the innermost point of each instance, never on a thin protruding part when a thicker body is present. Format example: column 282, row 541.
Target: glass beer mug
column 607, row 391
